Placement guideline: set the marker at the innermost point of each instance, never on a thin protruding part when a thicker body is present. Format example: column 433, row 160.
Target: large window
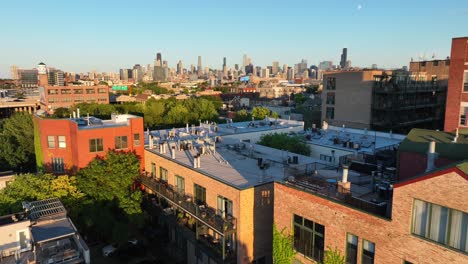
column 331, row 98
column 224, row 206
column 200, row 194
column 57, row 165
column 121, row 142
column 351, row 249
column 465, row 81
column 62, row 142
column 331, row 83
column 163, row 174
column 51, row 141
column 180, row 184
column 330, row 114
column 368, row 252
column 95, row 145
column 136, row 139
column 153, row 170
column 441, row 224
column 309, row 238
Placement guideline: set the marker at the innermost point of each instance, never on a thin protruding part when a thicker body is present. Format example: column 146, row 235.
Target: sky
column 81, row 36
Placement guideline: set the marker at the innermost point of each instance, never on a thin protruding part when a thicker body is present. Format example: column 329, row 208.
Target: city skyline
column 105, row 37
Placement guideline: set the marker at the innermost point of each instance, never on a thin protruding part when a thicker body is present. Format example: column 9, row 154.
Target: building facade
column 66, row 145
column 428, row 222
column 457, row 95
column 53, row 97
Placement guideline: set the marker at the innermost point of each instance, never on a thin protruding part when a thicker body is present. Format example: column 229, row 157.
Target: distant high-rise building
column 199, row 65
column 265, row 73
column 285, row 68
column 224, row 62
column 126, row 74
column 325, row 65
column 348, row 64
column 158, row 61
column 160, row 74
column 14, row 72
column 275, row 67
column 290, row 75
column 179, row 67
column 236, row 66
column 344, row 58
column 374, row 66
column 249, row 69
column 137, row 73
column 56, row 77
column 244, row 61
column 301, row 66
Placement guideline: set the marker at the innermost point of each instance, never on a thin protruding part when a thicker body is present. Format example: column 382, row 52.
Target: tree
column 260, row 112
column 283, row 141
column 333, row 256
column 111, row 178
column 103, row 83
column 61, row 112
column 31, row 187
column 283, row 250
column 17, row 142
column 242, row 115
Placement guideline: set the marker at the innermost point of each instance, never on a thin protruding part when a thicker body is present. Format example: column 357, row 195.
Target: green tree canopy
column 61, row 112
column 242, row 115
column 283, row 250
column 111, row 178
column 260, row 112
column 17, row 142
column 283, row 141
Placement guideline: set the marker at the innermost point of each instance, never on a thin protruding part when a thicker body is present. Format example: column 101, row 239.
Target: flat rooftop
column 360, row 140
column 92, row 122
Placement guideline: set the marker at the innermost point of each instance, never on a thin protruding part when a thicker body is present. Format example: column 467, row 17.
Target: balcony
column 204, row 214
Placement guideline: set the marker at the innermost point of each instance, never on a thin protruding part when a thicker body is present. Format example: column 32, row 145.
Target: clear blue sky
column 84, row 35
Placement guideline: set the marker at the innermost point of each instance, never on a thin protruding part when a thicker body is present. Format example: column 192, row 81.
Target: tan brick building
column 425, row 209
column 53, row 97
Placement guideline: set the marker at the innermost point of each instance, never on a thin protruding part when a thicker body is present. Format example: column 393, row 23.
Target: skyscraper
column 224, row 62
column 275, row 67
column 199, row 65
column 14, row 72
column 244, row 61
column 180, row 67
column 159, row 57
column 344, row 58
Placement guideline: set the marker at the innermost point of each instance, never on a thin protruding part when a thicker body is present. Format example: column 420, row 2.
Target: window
column 52, row 91
column 153, row 170
column 62, row 142
column 102, row 90
column 330, row 114
column 102, row 99
column 163, row 174
column 67, row 100
column 50, row 141
column 435, row 63
column 200, row 194
column 331, row 83
column 440, row 224
column 309, row 238
column 423, row 64
column 331, row 98
column 368, row 252
column 90, row 91
column 121, row 142
column 465, row 81
column 327, row 158
column 224, row 206
column 65, row 91
column 95, row 145
column 57, row 165
column 78, row 91
column 180, row 184
column 351, row 249
column 136, row 139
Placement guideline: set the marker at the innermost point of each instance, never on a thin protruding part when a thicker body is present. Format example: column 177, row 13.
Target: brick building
column 427, row 224
column 53, row 97
column 214, row 188
column 457, row 95
column 65, row 145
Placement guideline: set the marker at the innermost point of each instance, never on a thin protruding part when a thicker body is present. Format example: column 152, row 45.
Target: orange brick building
column 65, row 145
column 428, row 222
column 457, row 95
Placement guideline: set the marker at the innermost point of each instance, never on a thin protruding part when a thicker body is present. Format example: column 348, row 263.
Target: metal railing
column 203, row 213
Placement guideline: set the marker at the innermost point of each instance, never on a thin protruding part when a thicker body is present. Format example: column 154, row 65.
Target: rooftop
column 348, row 139
column 91, row 122
column 418, row 141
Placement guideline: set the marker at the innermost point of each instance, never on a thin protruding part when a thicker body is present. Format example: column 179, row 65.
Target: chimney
column 150, row 141
column 198, row 162
column 78, row 112
column 344, row 186
column 173, row 152
column 431, row 156
column 195, row 161
column 456, row 136
column 74, row 114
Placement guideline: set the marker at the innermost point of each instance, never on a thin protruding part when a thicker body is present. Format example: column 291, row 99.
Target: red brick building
column 428, row 221
column 53, row 97
column 65, row 145
column 457, row 96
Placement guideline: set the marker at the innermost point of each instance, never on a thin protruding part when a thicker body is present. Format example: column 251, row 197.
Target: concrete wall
column 393, row 239
column 353, row 98
column 9, row 237
column 317, row 150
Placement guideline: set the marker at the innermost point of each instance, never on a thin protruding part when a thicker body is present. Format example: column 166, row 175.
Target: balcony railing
column 203, row 213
